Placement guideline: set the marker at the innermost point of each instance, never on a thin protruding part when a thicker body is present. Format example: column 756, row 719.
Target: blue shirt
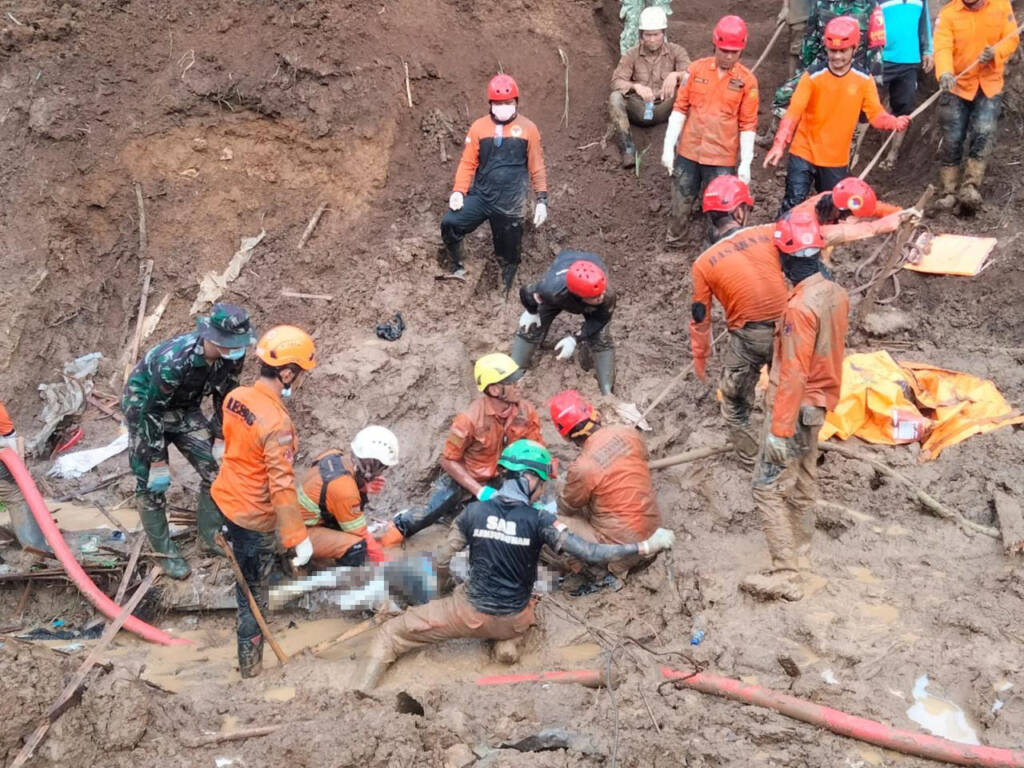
column 908, row 31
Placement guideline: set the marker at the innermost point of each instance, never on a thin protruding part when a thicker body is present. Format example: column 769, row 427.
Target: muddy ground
column 241, row 116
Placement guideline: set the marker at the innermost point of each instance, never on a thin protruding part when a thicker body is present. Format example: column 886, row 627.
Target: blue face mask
column 236, row 353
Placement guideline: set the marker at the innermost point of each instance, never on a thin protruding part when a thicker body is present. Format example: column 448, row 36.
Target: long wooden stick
column 678, row 379
column 767, row 48
column 61, row 704
column 244, row 586
column 133, row 559
column 927, row 103
column 355, row 631
column 694, row 455
column 313, row 221
column 239, row 735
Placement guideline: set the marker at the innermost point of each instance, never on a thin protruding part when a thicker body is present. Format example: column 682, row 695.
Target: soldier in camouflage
column 161, row 405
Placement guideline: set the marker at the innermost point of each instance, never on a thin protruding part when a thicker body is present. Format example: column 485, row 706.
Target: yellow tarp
column 955, row 255
column 886, row 402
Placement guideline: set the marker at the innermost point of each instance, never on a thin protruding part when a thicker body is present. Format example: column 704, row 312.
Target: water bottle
column 648, row 110
column 697, row 631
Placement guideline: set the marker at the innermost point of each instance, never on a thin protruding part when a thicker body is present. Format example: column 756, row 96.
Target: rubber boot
column 455, row 265
column 745, row 445
column 604, row 370
column 970, row 195
column 154, row 521
column 392, row 536
column 948, row 177
column 682, row 210
column 26, row 529
column 522, row 351
column 628, row 150
column 890, row 161
column 374, row 670
column 250, row 656
column 508, row 276
column 774, row 585
column 506, row 651
column 209, row 521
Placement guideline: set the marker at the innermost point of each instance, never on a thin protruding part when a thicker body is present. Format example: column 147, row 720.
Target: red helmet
column 798, row 232
column 842, row 32
column 855, row 195
column 502, row 88
column 726, row 193
column 569, row 410
column 586, row 280
column 730, row 34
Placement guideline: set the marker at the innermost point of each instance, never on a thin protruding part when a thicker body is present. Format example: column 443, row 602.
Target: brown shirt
column 650, row 69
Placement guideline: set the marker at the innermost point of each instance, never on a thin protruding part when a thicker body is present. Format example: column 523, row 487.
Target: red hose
column 589, row 677
column 60, row 548
column 907, row 742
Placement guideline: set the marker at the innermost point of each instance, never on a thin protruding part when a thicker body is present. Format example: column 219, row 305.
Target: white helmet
column 378, row 443
column 653, row 19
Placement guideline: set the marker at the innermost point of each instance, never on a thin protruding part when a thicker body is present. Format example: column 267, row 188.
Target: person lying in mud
column 504, row 534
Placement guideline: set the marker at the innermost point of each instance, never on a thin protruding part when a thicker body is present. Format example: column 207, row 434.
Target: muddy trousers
column 446, row 619
column 506, row 233
column 447, row 498
column 971, row 122
column 596, row 348
column 796, row 44
column 26, row 529
column 785, row 496
column 802, row 175
column 750, row 348
column 688, row 182
column 332, row 545
column 628, row 109
column 254, row 551
column 190, row 432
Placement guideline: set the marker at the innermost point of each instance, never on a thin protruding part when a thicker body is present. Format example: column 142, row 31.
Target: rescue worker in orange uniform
column 713, row 122
column 805, row 380
column 727, row 204
column 26, row 529
column 334, row 491
column 822, row 117
column 984, row 30
column 850, row 197
column 470, row 455
column 500, row 161
column 608, row 497
column 255, row 488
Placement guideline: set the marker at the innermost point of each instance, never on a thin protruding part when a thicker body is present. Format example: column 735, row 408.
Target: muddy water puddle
column 940, row 716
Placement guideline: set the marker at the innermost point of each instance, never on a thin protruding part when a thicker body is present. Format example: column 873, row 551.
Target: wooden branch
column 678, row 379
column 94, row 487
column 298, row 295
column 408, row 90
column 101, row 407
column 313, row 221
column 767, row 48
column 221, row 738
column 133, row 348
column 357, row 630
column 694, row 455
column 126, row 579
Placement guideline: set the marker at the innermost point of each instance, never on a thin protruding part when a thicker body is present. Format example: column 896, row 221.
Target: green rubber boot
column 604, row 370
column 154, row 521
column 209, row 521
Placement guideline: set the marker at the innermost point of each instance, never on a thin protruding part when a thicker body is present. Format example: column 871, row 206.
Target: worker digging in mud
column 713, row 124
column 334, row 491
column 850, row 197
column 805, row 379
column 255, row 489
column 504, row 534
column 986, row 31
column 577, row 283
column 608, row 497
column 501, row 159
column 726, row 204
column 26, row 529
column 469, row 459
column 645, row 81
column 162, row 407
column 822, row 117
column 743, row 271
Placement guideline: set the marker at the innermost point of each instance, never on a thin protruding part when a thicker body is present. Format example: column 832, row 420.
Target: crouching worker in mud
column 608, row 497
column 504, row 535
column 255, row 489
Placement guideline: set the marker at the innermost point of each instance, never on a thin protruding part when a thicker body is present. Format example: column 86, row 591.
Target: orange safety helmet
column 726, row 194
column 799, row 234
column 586, row 280
column 285, row 344
column 570, row 410
column 841, row 33
column 502, row 88
column 730, row 34
column 855, row 195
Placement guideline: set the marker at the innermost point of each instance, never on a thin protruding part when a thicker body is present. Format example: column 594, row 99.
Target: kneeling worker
column 504, row 535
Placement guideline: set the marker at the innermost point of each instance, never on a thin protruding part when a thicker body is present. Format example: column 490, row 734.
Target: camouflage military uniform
column 813, row 52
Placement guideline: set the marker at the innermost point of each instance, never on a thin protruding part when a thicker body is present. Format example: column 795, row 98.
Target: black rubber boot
column 628, row 150
column 522, row 351
column 250, row 656
column 455, row 265
column 604, row 370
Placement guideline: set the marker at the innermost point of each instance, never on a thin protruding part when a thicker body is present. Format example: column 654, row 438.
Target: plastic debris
column 72, row 465
column 63, row 398
column 392, row 331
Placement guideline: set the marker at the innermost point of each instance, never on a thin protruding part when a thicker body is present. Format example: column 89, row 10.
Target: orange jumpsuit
column 961, row 35
column 479, row 434
column 255, row 488
column 881, row 209
column 337, row 524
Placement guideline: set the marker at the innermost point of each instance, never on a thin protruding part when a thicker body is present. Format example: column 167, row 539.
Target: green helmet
column 527, row 456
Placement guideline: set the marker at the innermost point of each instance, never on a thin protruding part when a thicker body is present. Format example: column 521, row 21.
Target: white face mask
column 503, row 112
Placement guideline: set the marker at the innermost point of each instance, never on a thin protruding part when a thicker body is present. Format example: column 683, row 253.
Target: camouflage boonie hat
column 226, row 326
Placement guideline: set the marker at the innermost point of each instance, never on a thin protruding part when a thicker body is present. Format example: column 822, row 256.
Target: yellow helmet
column 285, row 344
column 495, row 368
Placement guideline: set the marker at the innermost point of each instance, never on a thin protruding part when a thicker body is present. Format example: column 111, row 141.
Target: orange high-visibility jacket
column 961, row 35
column 6, row 425
column 478, row 435
column 610, row 485
column 881, row 209
column 342, row 501
column 717, row 108
column 255, row 487
column 810, row 339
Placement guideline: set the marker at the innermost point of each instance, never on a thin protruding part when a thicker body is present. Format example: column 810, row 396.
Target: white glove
column 303, row 551
column 527, row 320
column 218, row 450
column 11, row 441
column 747, row 139
column 540, row 213
column 565, row 348
column 661, row 539
column 668, row 151
column 455, row 201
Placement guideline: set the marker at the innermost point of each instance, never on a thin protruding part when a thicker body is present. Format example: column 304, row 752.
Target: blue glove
column 159, row 478
column 486, row 493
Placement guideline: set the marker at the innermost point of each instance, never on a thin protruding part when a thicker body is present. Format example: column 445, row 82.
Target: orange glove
column 784, row 135
column 374, row 485
column 887, row 122
column 375, row 553
column 700, row 365
column 700, row 346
